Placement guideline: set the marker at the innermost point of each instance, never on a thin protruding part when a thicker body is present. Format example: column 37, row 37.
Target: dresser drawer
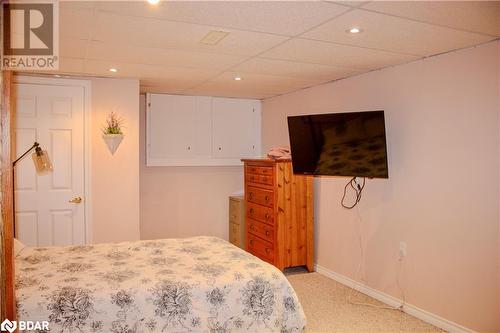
column 260, row 170
column 235, row 234
column 262, row 230
column 261, row 213
column 235, row 211
column 260, row 179
column 260, row 196
column 259, row 247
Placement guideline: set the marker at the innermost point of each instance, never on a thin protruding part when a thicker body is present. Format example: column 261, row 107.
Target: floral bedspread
column 200, row 284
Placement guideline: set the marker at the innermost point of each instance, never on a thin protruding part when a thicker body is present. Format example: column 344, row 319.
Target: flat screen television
column 339, row 144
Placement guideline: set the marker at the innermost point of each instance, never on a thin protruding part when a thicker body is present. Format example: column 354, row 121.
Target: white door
column 54, row 117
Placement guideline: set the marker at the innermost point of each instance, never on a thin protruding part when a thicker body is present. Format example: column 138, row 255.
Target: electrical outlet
column 402, row 250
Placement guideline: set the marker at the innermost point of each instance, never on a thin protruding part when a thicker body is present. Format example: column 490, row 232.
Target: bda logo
column 8, row 326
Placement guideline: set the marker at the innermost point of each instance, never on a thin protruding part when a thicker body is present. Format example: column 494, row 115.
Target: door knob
column 76, row 200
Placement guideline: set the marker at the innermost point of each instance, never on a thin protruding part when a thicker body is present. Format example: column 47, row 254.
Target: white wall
column 442, row 195
column 184, row 201
column 115, row 178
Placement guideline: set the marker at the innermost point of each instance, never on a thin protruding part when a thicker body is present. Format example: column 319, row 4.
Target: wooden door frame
column 86, row 85
column 8, row 307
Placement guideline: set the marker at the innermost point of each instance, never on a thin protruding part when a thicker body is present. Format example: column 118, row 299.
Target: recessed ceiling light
column 237, row 78
column 153, row 2
column 114, row 70
column 354, row 30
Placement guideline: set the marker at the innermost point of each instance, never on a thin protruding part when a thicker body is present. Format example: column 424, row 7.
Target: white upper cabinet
column 236, row 123
column 200, row 130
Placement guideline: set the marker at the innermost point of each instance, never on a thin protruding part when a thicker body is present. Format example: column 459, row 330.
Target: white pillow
column 18, row 247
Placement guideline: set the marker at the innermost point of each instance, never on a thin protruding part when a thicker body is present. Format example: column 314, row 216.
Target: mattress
column 199, row 284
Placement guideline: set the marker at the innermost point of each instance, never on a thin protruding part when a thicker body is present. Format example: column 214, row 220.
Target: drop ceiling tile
column 158, row 56
column 279, row 17
column 144, row 72
column 71, row 65
column 69, row 4
column 167, row 86
column 475, row 16
column 394, row 34
column 294, row 69
column 221, row 91
column 72, row 47
column 75, row 22
column 350, row 3
column 323, row 53
column 270, row 84
column 146, row 32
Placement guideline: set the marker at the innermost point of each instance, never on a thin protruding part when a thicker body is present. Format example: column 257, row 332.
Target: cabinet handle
column 251, row 211
column 252, row 227
column 268, row 250
column 251, row 242
column 267, row 216
column 250, row 195
column 189, row 148
column 267, row 198
column 220, row 148
column 268, row 233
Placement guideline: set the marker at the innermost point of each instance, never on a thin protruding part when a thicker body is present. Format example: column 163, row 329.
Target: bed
column 199, row 284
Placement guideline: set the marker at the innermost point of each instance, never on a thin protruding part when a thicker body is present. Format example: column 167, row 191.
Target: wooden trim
column 6, row 120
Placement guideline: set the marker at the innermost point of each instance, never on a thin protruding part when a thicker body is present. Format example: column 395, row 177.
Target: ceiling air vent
column 214, row 37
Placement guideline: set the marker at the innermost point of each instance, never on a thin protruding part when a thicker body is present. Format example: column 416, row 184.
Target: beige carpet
column 327, row 309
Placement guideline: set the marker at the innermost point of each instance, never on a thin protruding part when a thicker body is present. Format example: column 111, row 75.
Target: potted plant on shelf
column 112, row 132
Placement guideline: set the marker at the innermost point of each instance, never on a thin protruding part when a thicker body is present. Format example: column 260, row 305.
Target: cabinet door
column 179, row 128
column 236, row 128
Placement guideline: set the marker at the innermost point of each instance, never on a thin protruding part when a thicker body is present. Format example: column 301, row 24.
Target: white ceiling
column 274, row 46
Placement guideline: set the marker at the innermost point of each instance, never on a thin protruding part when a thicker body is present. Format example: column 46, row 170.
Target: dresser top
column 265, row 160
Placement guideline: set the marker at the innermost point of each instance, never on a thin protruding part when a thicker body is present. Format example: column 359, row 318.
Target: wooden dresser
column 237, row 221
column 279, row 214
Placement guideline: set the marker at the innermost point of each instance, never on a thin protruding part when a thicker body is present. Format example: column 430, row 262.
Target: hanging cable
column 358, row 189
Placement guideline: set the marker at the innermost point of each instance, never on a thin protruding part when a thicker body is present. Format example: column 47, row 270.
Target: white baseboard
column 426, row 316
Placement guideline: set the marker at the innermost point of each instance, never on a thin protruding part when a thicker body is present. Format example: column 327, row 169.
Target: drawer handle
column 252, row 227
column 267, row 216
column 268, row 233
column 267, row 198
column 250, row 195
column 251, row 242
column 268, row 250
column 251, row 211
